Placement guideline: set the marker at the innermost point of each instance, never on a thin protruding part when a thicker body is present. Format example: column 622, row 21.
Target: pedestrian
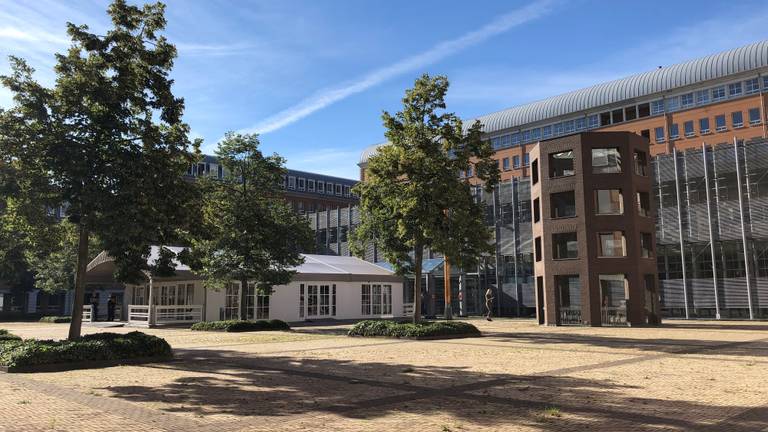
column 111, row 303
column 95, row 307
column 488, row 303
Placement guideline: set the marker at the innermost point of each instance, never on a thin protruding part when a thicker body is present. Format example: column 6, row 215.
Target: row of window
column 737, row 121
column 318, row 186
column 614, row 290
column 607, row 202
column 204, row 169
column 633, row 112
column 610, row 244
column 317, row 300
column 604, row 161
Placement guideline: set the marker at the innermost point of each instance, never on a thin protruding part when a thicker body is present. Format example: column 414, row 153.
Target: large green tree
column 412, row 197
column 250, row 233
column 107, row 139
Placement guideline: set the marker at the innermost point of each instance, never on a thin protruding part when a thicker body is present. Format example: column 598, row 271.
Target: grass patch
column 424, row 330
column 240, row 325
column 56, row 319
column 5, row 336
column 95, row 347
column 551, row 412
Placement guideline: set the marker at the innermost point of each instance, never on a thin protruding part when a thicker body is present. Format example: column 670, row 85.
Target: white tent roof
column 330, row 264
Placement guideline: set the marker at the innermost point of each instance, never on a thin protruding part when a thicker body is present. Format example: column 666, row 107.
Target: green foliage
column 240, row 325
column 56, row 319
column 108, row 140
column 94, row 347
column 5, row 336
column 412, row 197
column 250, row 232
column 372, row 328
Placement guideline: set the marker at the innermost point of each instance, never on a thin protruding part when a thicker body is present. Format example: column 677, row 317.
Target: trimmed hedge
column 424, row 330
column 6, row 336
column 240, row 325
column 56, row 319
column 93, row 347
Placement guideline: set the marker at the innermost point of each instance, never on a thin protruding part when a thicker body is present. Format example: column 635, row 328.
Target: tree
column 251, row 233
column 108, row 140
column 412, row 197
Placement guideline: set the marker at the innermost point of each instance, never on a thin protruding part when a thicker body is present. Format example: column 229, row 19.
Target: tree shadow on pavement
column 272, row 388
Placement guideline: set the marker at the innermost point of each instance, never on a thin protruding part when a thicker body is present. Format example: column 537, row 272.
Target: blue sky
column 314, row 76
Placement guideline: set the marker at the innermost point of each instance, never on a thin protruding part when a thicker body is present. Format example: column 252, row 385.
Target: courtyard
column 519, row 376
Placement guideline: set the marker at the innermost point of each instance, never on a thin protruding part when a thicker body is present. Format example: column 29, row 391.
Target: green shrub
column 56, row 319
column 427, row 329
column 94, row 347
column 5, row 336
column 240, row 325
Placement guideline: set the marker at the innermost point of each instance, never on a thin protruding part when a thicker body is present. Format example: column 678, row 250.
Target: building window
column 220, row 171
column 581, row 123
column 643, row 204
column 646, row 133
column 593, row 121
column 526, row 136
column 688, row 128
column 606, row 161
column 329, row 188
column 536, row 134
column 646, row 245
column 321, row 187
column 609, row 202
column 686, row 100
column 657, row 107
column 536, row 210
column 617, row 115
column 338, row 189
column 376, row 299
column 291, row 182
column 301, row 301
column 641, row 163
column 561, row 164
column 535, row 172
column 718, row 93
column 563, row 204
column 720, row 123
column 734, row 89
column 702, row 97
column 605, row 118
column 659, row 132
column 613, row 290
column 526, row 159
column 516, row 162
column 630, row 113
column 546, row 132
column 644, row 110
column 754, row 116
column 537, row 248
column 311, row 185
column 704, row 126
column 302, row 184
column 558, row 129
column 674, row 131
column 752, row 86
column 569, row 126
column 611, row 244
column 516, row 138
column 673, row 103
column 346, row 191
column 505, row 164
column 565, row 246
column 737, row 119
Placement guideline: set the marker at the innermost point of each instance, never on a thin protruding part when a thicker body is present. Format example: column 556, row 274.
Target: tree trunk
column 418, row 255
column 244, row 298
column 76, row 324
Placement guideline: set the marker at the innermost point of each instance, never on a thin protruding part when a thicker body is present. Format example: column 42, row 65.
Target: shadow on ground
column 274, row 387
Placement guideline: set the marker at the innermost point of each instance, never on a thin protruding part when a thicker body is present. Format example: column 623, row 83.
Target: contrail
column 440, row 51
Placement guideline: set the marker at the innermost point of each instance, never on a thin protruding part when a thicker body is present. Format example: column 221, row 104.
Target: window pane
column 606, row 160
column 704, row 125
column 646, row 245
column 608, row 202
column 611, row 244
column 565, row 246
column 738, row 119
column 641, row 163
column 561, row 164
column 612, row 289
column 563, row 204
column 643, row 204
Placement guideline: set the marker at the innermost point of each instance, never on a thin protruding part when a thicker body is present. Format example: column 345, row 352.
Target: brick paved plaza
column 684, row 376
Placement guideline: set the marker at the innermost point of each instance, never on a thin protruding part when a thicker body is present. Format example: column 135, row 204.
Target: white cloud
column 440, row 51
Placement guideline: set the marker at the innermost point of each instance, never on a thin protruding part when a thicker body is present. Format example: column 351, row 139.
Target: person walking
column 488, row 303
column 95, row 307
column 111, row 303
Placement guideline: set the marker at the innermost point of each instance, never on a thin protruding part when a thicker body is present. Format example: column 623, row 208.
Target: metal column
column 496, row 224
column 680, row 231
column 711, row 232
column 743, row 229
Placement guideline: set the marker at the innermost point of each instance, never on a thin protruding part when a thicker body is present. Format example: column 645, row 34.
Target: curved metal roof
column 711, row 67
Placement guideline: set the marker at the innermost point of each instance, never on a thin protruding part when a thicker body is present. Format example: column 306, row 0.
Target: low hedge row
column 56, row 319
column 6, row 336
column 240, row 325
column 94, row 347
column 426, row 329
